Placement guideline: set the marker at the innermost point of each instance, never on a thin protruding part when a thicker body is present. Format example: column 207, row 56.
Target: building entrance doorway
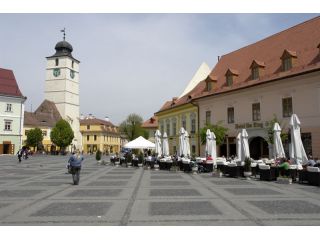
column 258, row 147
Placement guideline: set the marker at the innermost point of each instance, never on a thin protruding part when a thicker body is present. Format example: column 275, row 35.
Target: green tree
column 217, row 129
column 132, row 127
column 34, row 137
column 270, row 125
column 62, row 134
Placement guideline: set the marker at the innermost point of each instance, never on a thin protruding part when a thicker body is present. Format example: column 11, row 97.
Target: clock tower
column 62, row 86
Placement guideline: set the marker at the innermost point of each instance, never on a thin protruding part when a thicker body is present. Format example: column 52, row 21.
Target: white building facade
column 11, row 113
column 62, row 87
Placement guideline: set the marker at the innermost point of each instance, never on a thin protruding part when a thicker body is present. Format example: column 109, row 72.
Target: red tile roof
column 301, row 41
column 150, row 123
column 8, row 83
column 46, row 114
column 95, row 121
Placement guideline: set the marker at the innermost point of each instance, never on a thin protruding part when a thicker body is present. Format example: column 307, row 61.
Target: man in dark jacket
column 75, row 162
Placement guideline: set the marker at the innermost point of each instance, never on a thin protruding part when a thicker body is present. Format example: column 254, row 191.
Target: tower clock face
column 56, row 72
column 72, row 74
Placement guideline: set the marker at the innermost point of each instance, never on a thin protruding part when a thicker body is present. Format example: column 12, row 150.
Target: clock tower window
column 57, row 61
column 72, row 64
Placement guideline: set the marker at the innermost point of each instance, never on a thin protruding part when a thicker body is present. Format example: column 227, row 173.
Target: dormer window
column 231, row 74
column 256, row 69
column 288, row 58
column 210, row 83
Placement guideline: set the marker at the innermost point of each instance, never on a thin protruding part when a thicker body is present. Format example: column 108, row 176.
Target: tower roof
column 63, row 48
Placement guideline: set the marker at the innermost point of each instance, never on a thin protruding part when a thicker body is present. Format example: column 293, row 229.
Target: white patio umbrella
column 187, row 143
column 213, row 148
column 139, row 143
column 244, row 145
column 278, row 151
column 165, row 145
column 208, row 142
column 181, row 142
column 157, row 137
column 238, row 145
column 298, row 154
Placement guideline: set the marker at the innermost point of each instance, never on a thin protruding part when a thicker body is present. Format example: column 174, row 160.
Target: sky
column 129, row 63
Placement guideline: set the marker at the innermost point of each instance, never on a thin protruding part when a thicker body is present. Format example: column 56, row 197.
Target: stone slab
column 183, row 208
column 173, row 192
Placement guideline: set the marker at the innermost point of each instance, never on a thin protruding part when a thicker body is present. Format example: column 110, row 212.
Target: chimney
column 106, row 118
column 218, row 58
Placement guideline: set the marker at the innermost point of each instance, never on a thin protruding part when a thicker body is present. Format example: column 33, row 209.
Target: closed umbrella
column 165, row 145
column 187, row 144
column 208, row 142
column 245, row 153
column 213, row 148
column 181, row 142
column 298, row 154
column 278, row 151
column 238, row 145
column 157, row 137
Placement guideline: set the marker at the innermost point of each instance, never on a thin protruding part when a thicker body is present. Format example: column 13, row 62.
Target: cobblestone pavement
column 40, row 192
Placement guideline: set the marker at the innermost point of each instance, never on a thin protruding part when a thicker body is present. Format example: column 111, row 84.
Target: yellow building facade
column 98, row 134
column 45, row 117
column 172, row 117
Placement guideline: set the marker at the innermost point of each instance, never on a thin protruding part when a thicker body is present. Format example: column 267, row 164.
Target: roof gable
column 8, row 83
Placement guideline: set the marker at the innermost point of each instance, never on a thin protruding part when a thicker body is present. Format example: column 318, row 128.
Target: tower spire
column 64, row 33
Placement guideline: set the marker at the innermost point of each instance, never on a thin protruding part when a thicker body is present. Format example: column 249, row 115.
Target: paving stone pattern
column 39, row 191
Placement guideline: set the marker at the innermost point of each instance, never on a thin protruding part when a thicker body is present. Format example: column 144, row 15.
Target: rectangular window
column 229, row 80
column 7, row 125
column 287, row 64
column 193, row 149
column 26, row 132
column 230, row 115
column 174, row 128
column 57, row 61
column 88, row 127
column 307, row 142
column 9, row 107
column 174, row 149
column 184, row 123
column 256, row 112
column 88, row 137
column 193, row 125
column 168, row 129
column 287, row 107
column 255, row 73
column 95, row 137
column 44, row 133
column 208, row 117
column 209, row 86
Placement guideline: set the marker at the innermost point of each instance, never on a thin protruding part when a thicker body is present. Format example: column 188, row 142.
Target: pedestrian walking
column 19, row 153
column 75, row 162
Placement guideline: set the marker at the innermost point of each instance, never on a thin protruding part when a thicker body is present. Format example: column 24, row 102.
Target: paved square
column 182, row 208
column 39, row 192
column 74, row 209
